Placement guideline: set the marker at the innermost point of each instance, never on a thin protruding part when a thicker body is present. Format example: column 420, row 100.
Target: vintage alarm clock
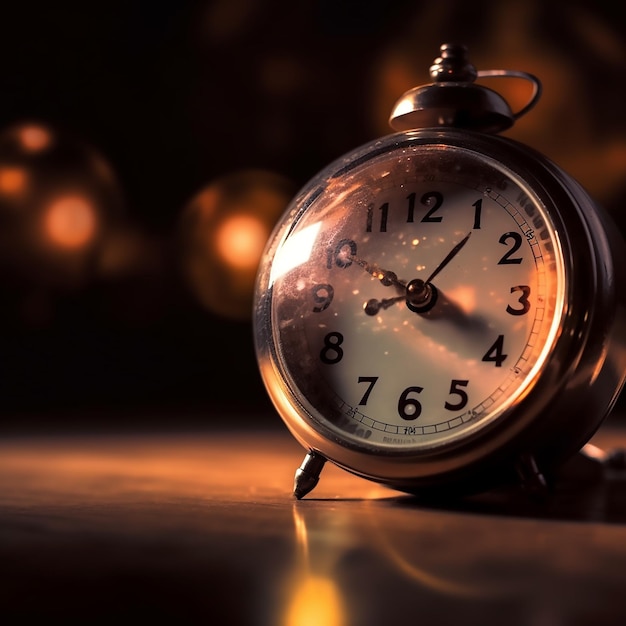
column 443, row 310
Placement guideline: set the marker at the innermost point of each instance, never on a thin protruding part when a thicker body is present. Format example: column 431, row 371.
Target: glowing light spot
column 70, row 222
column 415, row 242
column 240, row 240
column 404, row 107
column 464, row 297
column 34, row 138
column 296, row 250
column 316, row 601
column 223, row 231
column 13, row 180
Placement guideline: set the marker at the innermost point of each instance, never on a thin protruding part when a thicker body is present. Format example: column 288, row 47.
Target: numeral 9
column 322, row 296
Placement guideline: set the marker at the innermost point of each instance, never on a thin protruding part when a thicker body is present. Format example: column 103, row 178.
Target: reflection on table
column 202, row 527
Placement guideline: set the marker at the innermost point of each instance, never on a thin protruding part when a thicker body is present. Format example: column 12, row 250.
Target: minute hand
column 449, row 258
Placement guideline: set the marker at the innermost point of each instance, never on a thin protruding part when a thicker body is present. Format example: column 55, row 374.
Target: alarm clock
column 442, row 310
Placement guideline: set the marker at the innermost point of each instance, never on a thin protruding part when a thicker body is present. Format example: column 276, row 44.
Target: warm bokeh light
column 34, row 138
column 13, row 180
column 59, row 200
column 224, row 229
column 70, row 222
column 240, row 240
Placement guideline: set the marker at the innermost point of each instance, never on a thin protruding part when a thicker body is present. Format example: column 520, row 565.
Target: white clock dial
column 416, row 298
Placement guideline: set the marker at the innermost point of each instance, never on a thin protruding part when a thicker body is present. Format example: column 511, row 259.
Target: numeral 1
column 478, row 207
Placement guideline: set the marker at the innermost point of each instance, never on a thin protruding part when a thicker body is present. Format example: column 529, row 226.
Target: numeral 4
column 495, row 354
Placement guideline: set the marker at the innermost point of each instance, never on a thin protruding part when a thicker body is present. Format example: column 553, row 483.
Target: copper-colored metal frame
column 578, row 383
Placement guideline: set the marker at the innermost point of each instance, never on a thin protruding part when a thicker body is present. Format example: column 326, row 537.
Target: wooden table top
column 201, row 527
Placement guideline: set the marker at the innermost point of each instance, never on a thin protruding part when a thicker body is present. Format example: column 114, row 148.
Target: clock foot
column 531, row 478
column 308, row 474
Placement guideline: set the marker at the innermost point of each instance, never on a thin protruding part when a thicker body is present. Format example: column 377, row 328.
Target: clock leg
column 531, row 478
column 308, row 474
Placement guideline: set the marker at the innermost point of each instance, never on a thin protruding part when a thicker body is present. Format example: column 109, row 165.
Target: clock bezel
column 534, row 424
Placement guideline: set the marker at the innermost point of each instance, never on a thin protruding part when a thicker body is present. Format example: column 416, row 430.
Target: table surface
column 201, row 527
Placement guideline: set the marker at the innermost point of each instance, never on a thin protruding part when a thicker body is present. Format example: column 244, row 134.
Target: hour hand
column 386, row 277
column 371, row 307
column 420, row 297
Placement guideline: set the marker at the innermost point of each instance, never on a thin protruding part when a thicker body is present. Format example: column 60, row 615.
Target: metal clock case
column 439, row 310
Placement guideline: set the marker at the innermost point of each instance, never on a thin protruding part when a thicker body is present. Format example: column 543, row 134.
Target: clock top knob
column 455, row 100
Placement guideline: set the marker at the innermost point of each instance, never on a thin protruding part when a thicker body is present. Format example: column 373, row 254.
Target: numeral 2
column 517, row 242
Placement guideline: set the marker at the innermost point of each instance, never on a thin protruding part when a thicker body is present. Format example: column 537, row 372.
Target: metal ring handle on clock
column 531, row 78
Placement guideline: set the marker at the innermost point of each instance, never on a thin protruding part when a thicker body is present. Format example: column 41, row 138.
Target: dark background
column 175, row 95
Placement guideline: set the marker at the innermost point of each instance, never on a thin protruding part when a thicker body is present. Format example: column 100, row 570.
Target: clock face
column 415, row 296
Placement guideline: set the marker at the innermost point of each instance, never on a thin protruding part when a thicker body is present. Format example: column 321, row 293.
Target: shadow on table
column 586, row 490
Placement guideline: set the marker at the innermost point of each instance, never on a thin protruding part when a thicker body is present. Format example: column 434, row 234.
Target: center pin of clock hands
column 420, row 295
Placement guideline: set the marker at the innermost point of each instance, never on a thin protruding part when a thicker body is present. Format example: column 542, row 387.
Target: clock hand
column 447, row 309
column 386, row 277
column 449, row 258
column 371, row 307
column 421, row 295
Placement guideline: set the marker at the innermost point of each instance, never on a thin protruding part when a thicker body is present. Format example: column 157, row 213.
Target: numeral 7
column 371, row 380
